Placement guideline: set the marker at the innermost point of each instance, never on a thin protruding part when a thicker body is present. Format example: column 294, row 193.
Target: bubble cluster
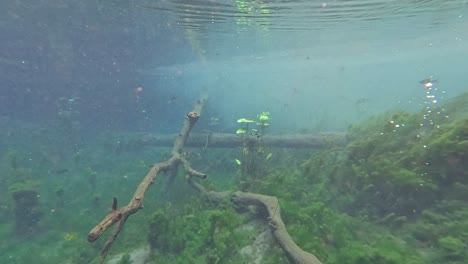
column 395, row 126
column 432, row 110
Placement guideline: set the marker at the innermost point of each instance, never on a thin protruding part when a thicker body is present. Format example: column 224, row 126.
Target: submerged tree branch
column 294, row 253
column 271, row 205
column 120, row 215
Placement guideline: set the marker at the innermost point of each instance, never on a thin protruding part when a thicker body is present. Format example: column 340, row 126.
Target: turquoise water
column 87, row 84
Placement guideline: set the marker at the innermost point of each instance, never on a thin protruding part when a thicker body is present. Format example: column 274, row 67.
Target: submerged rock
column 261, row 244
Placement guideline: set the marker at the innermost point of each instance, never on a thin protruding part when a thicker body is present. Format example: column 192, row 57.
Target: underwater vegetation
column 403, row 167
column 197, row 236
column 253, row 159
column 396, row 193
column 405, row 182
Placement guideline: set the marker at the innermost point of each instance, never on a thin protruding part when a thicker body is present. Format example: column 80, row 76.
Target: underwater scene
column 234, row 131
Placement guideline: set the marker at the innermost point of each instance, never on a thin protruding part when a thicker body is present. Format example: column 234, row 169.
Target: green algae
column 201, row 236
column 394, row 194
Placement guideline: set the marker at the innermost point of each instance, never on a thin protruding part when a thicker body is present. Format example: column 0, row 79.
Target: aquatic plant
column 398, row 166
column 205, row 236
column 438, row 230
column 253, row 159
column 447, row 153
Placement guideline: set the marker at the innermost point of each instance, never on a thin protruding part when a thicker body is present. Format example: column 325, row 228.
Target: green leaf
column 240, row 131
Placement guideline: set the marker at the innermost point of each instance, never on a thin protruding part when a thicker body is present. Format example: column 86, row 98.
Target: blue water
column 296, row 59
column 96, row 66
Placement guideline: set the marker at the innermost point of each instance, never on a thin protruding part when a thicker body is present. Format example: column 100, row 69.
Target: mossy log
column 224, row 140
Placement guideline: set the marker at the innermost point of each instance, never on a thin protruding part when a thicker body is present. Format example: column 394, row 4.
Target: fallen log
column 224, row 140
